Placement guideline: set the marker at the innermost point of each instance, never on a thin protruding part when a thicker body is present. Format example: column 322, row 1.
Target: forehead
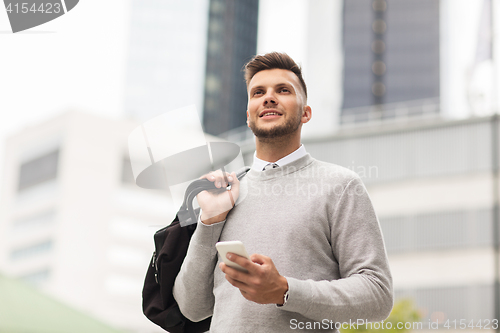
column 272, row 77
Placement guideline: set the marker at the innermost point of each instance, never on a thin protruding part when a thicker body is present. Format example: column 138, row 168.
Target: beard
column 290, row 126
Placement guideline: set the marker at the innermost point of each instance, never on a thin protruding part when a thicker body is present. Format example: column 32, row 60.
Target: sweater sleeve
column 193, row 287
column 364, row 290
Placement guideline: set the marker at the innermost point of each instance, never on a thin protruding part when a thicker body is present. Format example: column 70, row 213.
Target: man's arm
column 193, row 288
column 364, row 290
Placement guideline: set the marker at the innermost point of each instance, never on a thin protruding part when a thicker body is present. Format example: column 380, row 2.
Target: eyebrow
column 279, row 85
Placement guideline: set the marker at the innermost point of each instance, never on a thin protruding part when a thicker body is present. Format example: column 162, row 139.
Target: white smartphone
column 235, row 247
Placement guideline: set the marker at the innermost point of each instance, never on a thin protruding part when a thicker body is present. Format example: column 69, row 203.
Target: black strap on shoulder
column 186, row 212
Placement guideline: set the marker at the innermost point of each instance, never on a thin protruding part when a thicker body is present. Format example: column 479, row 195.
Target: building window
column 25, row 224
column 38, row 170
column 444, row 230
column 31, row 250
column 403, row 65
column 36, row 277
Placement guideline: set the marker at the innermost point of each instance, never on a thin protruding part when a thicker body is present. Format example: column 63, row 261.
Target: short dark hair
column 273, row 60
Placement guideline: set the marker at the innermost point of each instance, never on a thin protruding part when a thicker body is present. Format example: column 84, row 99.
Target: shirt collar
column 259, row 164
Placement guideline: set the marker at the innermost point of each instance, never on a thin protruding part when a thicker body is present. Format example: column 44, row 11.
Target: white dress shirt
column 258, row 164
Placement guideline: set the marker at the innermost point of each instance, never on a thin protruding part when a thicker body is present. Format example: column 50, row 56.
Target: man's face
column 276, row 103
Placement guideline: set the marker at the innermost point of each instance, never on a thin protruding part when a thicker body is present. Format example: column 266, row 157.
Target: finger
column 210, row 176
column 225, row 175
column 242, row 261
column 238, row 284
column 221, row 179
column 228, row 178
column 233, row 273
column 230, row 193
column 235, row 186
column 233, row 179
column 246, row 295
column 218, row 178
column 214, row 176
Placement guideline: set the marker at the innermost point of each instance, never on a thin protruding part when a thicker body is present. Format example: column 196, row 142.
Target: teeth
column 271, row 114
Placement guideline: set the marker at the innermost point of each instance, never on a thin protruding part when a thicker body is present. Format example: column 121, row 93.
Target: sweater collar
column 287, row 169
column 258, row 164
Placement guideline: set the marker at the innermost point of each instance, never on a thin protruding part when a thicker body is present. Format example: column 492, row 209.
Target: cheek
column 291, row 104
column 252, row 107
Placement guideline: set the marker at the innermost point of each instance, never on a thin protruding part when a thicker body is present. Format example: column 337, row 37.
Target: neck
column 274, row 149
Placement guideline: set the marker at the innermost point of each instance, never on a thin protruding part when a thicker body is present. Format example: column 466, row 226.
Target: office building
column 190, row 52
column 232, row 41
column 417, row 58
column 391, row 54
column 72, row 220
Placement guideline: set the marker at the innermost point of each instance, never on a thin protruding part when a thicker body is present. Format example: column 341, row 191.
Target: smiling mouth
column 271, row 114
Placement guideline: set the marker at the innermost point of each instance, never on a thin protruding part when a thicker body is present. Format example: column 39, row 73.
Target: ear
column 248, row 116
column 306, row 114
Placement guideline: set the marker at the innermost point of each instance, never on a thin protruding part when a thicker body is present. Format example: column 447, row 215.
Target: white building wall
column 311, row 33
column 460, row 22
column 438, row 268
column 324, row 66
column 101, row 228
column 166, row 56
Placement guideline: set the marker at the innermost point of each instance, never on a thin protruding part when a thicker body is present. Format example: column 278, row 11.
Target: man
column 319, row 257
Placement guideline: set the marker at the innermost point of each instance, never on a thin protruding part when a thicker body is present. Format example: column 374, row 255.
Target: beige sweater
column 316, row 222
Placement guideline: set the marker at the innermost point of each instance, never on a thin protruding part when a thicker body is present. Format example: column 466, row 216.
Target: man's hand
column 262, row 284
column 217, row 203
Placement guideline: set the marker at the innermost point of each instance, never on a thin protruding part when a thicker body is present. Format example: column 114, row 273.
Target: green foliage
column 403, row 312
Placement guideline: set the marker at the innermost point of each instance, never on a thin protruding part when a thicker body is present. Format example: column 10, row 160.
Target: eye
column 257, row 92
column 284, row 90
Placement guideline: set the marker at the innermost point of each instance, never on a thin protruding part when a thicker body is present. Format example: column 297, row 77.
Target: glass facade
column 39, row 170
column 32, row 250
column 232, row 41
column 391, row 54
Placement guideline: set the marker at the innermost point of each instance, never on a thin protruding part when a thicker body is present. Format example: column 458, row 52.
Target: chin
column 281, row 129
column 273, row 132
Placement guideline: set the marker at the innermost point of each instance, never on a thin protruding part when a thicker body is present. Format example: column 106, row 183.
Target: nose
column 270, row 98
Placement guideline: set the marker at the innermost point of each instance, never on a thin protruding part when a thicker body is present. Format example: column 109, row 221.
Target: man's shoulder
column 330, row 171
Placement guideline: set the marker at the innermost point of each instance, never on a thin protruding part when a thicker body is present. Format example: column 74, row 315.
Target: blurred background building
column 192, row 51
column 74, row 222
column 166, row 56
column 232, row 42
column 416, row 58
column 391, row 57
column 403, row 92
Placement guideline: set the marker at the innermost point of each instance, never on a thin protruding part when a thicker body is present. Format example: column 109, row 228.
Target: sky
column 75, row 62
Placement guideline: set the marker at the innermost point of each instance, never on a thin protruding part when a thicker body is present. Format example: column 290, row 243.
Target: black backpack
column 171, row 244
